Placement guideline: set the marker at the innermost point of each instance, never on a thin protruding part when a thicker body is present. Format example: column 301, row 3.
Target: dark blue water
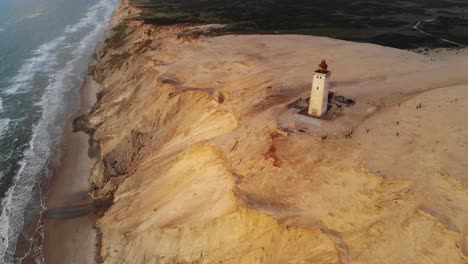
column 45, row 47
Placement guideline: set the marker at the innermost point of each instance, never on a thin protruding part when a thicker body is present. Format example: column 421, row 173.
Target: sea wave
column 33, row 15
column 4, row 122
column 45, row 56
column 46, row 129
column 43, row 59
column 91, row 17
column 4, row 126
column 4, row 26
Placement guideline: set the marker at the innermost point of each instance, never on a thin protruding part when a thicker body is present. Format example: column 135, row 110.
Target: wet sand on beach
column 71, row 215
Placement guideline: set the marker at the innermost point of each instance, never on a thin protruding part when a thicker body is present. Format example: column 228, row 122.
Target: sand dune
column 190, row 152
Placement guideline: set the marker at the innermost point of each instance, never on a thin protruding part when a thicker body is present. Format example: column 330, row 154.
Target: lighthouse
column 319, row 93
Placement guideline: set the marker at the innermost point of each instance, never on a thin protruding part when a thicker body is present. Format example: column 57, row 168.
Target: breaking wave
column 62, row 77
column 4, row 125
column 34, row 15
column 44, row 58
column 91, row 17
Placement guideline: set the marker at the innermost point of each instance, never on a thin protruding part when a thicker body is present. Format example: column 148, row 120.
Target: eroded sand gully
column 189, row 151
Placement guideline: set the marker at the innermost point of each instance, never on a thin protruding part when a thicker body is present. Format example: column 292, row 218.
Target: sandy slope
column 187, row 132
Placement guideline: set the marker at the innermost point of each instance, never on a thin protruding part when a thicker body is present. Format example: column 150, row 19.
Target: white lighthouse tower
column 319, row 93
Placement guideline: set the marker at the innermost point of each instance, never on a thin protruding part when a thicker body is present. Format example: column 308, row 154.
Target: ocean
column 45, row 48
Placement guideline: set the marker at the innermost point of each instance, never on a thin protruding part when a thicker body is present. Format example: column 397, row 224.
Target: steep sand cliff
column 189, row 149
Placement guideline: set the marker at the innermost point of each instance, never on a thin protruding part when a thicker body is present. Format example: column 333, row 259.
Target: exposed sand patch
column 71, row 215
column 191, row 154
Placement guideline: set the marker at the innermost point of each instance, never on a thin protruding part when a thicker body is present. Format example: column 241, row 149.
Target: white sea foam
column 5, row 25
column 43, row 59
column 3, row 122
column 91, row 17
column 33, row 15
column 4, row 126
column 45, row 131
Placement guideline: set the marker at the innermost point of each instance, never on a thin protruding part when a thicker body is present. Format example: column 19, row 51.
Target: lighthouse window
column 317, row 88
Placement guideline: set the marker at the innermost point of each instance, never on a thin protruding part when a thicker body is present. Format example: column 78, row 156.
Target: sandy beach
column 252, row 132
column 205, row 162
column 71, row 215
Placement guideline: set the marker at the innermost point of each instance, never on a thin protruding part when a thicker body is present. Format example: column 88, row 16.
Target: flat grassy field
column 384, row 22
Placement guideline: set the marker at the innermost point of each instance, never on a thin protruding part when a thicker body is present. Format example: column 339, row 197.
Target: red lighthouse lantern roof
column 323, row 65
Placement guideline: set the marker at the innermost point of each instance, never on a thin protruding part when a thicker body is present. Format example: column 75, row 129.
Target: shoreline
column 66, row 232
column 70, row 218
column 71, row 234
column 52, row 160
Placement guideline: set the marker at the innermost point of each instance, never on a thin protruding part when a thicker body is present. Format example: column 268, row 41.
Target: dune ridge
column 191, row 152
